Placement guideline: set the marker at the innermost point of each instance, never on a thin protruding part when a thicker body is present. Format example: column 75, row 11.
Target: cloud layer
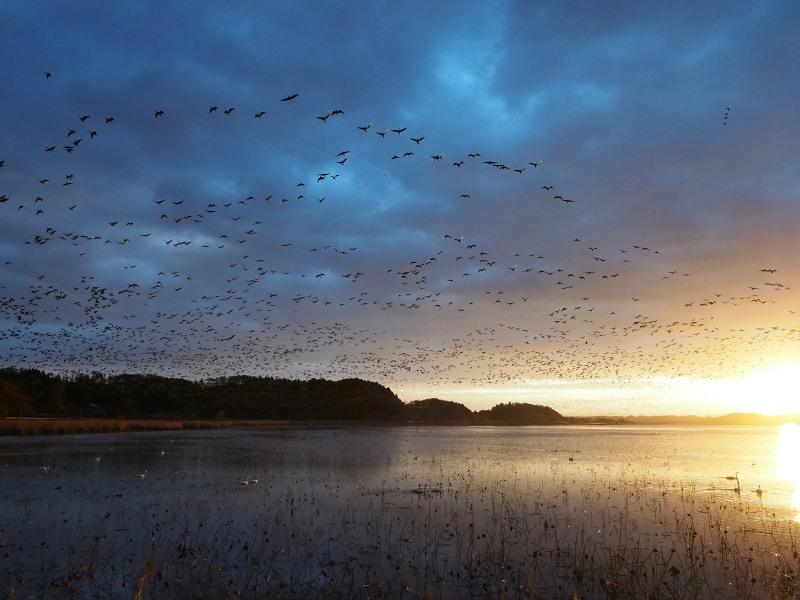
column 482, row 203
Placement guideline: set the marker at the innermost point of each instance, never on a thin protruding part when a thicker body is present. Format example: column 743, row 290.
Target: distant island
column 34, row 394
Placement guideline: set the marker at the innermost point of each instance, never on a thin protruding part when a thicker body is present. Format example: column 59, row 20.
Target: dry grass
column 21, row 427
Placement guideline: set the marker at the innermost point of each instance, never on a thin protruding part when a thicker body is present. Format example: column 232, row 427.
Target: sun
column 771, row 390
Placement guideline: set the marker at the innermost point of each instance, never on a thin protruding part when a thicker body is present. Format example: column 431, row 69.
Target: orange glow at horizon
column 771, row 390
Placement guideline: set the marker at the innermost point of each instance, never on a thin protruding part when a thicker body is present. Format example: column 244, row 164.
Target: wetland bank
column 403, row 512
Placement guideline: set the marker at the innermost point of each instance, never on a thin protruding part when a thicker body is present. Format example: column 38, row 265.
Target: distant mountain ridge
column 728, row 419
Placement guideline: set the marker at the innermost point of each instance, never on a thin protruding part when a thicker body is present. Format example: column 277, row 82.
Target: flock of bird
column 188, row 285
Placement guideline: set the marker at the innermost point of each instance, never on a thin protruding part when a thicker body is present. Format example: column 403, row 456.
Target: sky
column 593, row 207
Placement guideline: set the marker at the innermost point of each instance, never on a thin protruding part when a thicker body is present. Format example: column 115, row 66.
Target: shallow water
column 396, row 505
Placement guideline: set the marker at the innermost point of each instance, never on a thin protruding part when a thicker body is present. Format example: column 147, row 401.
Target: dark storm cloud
column 631, row 186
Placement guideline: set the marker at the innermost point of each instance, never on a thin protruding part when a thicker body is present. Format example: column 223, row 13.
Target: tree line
column 30, row 393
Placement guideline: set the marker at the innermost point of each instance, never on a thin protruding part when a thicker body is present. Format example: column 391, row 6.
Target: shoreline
column 18, row 427
column 48, row 426
column 31, row 426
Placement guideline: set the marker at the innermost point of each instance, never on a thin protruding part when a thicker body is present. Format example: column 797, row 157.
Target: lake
column 546, row 512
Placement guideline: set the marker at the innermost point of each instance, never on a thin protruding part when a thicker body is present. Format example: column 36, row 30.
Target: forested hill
column 33, row 393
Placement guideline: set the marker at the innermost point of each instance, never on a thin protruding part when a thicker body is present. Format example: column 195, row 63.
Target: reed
column 460, row 541
column 28, row 427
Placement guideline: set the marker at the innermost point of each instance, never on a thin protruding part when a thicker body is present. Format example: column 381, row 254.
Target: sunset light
column 772, row 390
column 521, row 212
column 400, row 299
column 788, row 466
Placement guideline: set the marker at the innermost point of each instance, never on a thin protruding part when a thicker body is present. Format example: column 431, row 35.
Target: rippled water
column 316, row 505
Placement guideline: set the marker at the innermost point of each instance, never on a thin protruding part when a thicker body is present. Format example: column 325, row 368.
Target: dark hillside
column 433, row 410
column 33, row 394
column 517, row 413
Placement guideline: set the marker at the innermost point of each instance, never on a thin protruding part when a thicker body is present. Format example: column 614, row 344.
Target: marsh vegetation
column 533, row 512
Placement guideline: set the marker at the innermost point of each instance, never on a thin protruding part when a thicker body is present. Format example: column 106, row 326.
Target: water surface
column 317, row 505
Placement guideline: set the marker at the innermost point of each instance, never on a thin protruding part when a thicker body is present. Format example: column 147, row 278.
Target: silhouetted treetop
column 521, row 414
column 439, row 411
column 32, row 393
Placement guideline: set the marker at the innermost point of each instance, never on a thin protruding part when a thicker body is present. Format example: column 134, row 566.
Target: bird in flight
column 289, row 98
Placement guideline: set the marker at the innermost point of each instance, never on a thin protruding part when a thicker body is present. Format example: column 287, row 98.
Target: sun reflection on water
column 788, row 466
